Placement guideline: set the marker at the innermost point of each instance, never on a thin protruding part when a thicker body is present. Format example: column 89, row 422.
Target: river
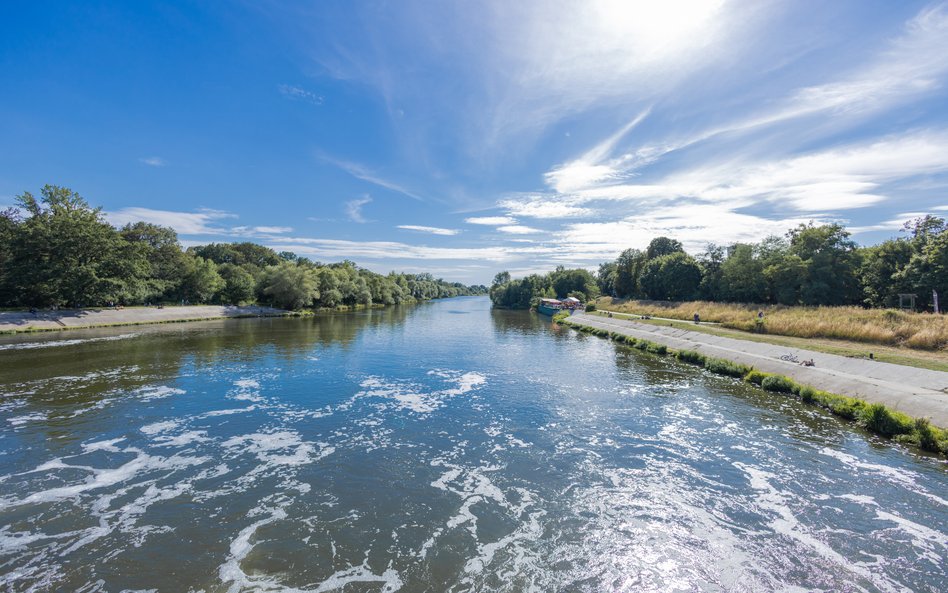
column 439, row 447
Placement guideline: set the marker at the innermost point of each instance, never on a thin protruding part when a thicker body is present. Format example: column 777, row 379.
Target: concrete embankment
column 18, row 321
column 916, row 392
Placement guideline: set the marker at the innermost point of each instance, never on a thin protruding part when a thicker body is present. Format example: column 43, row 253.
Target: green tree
column 239, row 284
column 200, row 282
column 831, row 261
column 291, row 286
column 660, row 246
column 742, row 276
column 61, row 251
column 675, row 276
column 881, row 273
column 629, row 267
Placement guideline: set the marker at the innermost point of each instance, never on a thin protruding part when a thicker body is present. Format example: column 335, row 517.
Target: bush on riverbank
column 875, row 326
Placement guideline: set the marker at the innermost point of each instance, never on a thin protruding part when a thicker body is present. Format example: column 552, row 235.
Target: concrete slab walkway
column 917, row 392
column 78, row 318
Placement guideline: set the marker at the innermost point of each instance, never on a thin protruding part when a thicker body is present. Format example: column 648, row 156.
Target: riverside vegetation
column 875, row 418
column 57, row 251
column 812, row 282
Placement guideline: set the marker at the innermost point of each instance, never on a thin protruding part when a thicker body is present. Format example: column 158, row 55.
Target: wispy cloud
column 490, row 220
column 428, row 229
column 517, row 229
column 201, row 222
column 361, row 172
column 354, row 209
column 253, row 231
column 543, row 206
column 153, row 161
column 299, row 94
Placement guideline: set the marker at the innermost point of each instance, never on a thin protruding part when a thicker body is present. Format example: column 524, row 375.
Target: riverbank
column 917, row 392
column 24, row 321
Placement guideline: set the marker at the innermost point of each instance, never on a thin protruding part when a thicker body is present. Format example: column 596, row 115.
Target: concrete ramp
column 916, row 392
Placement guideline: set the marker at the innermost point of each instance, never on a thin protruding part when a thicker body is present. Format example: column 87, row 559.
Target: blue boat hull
column 541, row 308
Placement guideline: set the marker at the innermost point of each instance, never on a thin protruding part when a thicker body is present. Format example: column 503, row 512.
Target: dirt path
column 917, row 392
column 78, row 318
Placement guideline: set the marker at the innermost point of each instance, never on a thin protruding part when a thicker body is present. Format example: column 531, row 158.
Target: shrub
column 590, row 307
column 726, row 367
column 779, row 384
column 756, row 377
column 847, row 407
column 691, row 356
column 657, row 348
column 561, row 316
column 808, row 394
column 927, row 435
column 880, row 420
column 641, row 344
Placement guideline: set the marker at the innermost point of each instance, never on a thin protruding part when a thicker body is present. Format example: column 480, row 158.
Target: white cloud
column 299, row 94
column 185, row 223
column 428, row 229
column 490, row 220
column 516, row 229
column 275, row 230
column 354, row 209
column 153, row 161
column 330, row 249
column 544, row 206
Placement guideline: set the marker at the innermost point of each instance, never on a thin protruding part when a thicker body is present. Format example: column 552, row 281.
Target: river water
column 441, row 447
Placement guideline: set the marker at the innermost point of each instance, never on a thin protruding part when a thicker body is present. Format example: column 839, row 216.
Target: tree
column 742, row 276
column 831, row 263
column 675, row 276
column 291, row 286
column 881, row 273
column 501, row 278
column 606, row 278
column 663, row 246
column 61, row 251
column 711, row 262
column 201, row 282
column 629, row 266
column 239, row 284
column 785, row 278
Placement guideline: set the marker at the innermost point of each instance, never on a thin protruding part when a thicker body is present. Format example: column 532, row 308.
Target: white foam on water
column 279, row 448
column 108, row 445
column 98, row 478
column 785, row 523
column 228, row 412
column 57, row 343
column 28, row 418
column 153, row 392
column 231, row 571
column 247, row 390
column 180, row 440
column 157, row 427
column 932, row 544
column 906, row 478
column 413, row 398
column 390, row 579
column 13, row 541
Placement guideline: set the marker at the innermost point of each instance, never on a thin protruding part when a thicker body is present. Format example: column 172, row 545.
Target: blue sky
column 462, row 138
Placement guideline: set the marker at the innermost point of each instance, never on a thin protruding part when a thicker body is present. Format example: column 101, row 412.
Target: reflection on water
column 443, row 447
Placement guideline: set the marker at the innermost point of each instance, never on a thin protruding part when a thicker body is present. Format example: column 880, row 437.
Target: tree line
column 810, row 265
column 57, row 251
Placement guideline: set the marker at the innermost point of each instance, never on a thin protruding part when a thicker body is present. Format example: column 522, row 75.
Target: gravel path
column 917, row 392
column 77, row 318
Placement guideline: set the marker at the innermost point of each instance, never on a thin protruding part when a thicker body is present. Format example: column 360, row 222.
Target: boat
column 549, row 306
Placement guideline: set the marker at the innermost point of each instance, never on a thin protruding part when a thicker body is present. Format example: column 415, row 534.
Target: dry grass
column 875, row 326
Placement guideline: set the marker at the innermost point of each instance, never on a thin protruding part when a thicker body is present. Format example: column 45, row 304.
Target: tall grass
column 876, row 326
